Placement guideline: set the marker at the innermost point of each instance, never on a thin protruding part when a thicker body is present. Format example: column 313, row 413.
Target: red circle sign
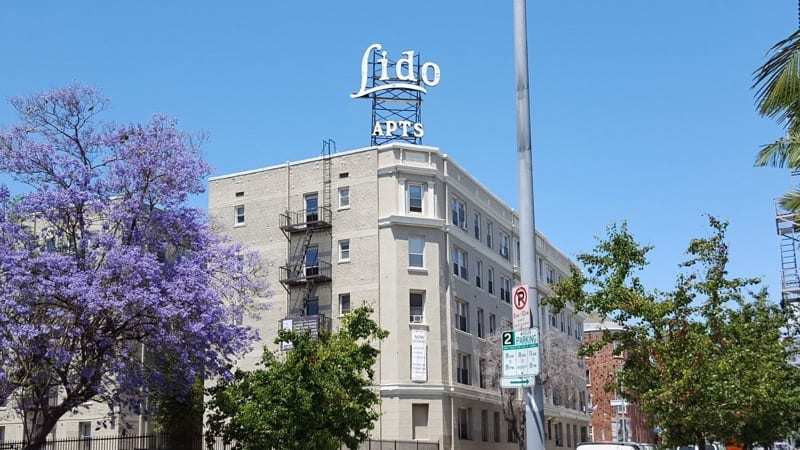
column 520, row 297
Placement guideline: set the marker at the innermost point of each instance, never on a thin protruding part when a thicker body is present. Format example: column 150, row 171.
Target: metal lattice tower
column 394, row 104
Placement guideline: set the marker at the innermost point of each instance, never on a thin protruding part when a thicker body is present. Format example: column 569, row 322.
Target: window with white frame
column 416, row 306
column 464, row 364
column 481, row 328
column 344, row 303
column 489, row 234
column 416, row 193
column 504, row 245
column 238, row 215
column 459, row 213
column 478, row 273
column 344, row 197
column 460, row 263
column 462, row 315
column 464, row 421
column 476, row 225
column 344, row 250
column 492, row 324
column 416, row 251
column 490, row 280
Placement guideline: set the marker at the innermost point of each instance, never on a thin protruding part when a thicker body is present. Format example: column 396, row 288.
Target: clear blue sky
column 641, row 110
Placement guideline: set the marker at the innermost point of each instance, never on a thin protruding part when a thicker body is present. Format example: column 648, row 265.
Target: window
column 490, row 280
column 584, row 435
column 510, row 437
column 344, row 174
column 569, row 439
column 484, row 425
column 559, row 435
column 460, row 263
column 549, row 430
column 312, row 306
column 504, row 244
column 588, row 377
column 464, row 423
column 2, row 435
column 582, row 398
column 416, row 252
column 478, row 273
column 482, row 373
column 462, row 368
column 415, row 194
column 480, row 323
column 312, row 261
column 416, row 307
column 492, row 324
column 489, row 234
column 505, row 289
column 496, row 426
column 52, row 396
column 239, row 215
column 85, row 435
column 462, row 316
column 476, row 225
column 344, row 250
column 551, row 275
column 541, row 268
column 617, row 350
column 344, row 197
column 312, row 207
column 3, row 402
column 344, row 303
column 419, row 419
column 459, row 213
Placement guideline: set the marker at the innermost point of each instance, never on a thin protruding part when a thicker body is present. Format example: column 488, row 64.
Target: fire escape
column 307, row 274
column 789, row 237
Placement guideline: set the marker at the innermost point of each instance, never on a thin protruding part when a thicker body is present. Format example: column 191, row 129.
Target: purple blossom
column 102, row 258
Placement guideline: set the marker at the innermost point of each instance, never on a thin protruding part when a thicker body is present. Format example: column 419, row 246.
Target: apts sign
column 395, row 86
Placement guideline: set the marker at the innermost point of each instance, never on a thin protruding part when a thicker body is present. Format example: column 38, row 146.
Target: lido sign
column 404, row 77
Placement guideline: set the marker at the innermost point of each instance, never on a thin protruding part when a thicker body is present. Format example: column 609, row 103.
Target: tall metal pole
column 534, row 398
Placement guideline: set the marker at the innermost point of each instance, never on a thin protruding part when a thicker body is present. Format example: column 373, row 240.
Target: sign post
column 533, row 398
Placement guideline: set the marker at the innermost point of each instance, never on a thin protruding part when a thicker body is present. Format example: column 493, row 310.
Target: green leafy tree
column 705, row 361
column 318, row 395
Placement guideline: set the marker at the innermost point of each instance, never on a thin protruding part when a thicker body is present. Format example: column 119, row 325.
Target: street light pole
column 533, row 398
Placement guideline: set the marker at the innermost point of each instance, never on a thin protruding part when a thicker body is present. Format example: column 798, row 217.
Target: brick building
column 614, row 419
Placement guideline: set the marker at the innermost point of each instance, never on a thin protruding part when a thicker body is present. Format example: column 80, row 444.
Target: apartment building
column 408, row 231
column 614, row 419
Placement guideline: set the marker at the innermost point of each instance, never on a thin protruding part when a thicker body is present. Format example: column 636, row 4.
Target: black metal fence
column 159, row 442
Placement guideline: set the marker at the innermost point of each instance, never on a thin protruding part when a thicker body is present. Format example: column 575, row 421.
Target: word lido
column 402, row 128
column 404, row 76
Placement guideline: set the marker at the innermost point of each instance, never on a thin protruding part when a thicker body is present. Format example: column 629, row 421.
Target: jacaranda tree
column 104, row 269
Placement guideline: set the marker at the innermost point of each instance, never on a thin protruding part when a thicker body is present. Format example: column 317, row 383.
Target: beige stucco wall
column 378, row 225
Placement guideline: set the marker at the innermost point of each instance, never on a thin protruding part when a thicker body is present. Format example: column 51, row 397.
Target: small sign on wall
column 419, row 356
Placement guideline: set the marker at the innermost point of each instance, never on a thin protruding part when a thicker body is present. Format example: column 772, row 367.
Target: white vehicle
column 609, row 446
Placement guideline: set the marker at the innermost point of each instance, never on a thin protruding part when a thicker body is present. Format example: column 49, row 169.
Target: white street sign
column 520, row 300
column 520, row 358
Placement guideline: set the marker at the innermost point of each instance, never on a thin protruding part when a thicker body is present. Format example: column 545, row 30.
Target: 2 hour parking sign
column 520, row 358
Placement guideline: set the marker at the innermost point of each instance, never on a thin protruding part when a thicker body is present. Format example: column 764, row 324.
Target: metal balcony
column 305, row 219
column 299, row 274
column 312, row 324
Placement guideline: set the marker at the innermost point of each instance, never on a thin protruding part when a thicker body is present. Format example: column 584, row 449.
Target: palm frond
column 778, row 81
column 791, row 201
column 785, row 152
